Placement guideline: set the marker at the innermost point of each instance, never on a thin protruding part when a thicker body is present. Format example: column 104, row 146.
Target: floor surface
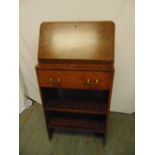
column 34, row 141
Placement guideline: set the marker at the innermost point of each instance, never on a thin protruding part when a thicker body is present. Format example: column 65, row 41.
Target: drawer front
column 75, row 79
column 49, row 78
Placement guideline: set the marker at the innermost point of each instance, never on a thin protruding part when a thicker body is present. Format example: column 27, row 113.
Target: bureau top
column 76, row 41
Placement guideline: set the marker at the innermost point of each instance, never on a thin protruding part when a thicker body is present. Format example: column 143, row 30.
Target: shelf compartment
column 76, row 121
column 87, row 107
column 78, row 101
column 75, row 94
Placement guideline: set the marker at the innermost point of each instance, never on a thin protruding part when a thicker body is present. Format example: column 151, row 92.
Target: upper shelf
column 76, row 41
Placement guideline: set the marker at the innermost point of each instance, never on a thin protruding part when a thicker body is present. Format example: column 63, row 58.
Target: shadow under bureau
column 75, row 74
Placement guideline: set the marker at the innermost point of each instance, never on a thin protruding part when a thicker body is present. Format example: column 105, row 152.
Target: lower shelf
column 78, row 122
column 87, row 107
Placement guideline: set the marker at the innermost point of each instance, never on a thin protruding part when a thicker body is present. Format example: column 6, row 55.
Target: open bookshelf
column 75, row 108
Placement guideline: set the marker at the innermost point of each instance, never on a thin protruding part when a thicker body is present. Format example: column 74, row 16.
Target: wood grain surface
column 76, row 56
column 75, row 79
column 77, row 41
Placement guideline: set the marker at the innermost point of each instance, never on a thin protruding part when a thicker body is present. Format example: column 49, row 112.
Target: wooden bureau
column 75, row 74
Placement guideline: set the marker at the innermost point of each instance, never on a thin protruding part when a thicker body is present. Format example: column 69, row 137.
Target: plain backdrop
column 34, row 12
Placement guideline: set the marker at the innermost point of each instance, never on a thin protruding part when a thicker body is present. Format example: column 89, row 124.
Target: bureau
column 75, row 75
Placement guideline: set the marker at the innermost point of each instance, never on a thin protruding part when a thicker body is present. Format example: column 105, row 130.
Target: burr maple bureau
column 75, row 75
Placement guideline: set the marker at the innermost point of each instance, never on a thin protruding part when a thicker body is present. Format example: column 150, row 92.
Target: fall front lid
column 76, row 41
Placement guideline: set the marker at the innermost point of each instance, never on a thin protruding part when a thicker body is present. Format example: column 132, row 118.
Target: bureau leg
column 50, row 133
column 104, row 138
column 101, row 135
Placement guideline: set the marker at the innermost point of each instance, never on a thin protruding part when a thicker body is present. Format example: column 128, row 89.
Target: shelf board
column 78, row 124
column 87, row 107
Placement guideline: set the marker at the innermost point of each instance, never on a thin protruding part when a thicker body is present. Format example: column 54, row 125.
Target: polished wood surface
column 72, row 65
column 75, row 74
column 76, row 41
column 75, row 79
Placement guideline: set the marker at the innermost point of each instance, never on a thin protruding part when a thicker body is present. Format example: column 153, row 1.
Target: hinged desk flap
column 76, row 41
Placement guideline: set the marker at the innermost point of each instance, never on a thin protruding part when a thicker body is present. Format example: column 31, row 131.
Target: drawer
column 75, row 79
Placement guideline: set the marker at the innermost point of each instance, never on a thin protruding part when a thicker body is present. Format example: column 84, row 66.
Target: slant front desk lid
column 76, row 41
